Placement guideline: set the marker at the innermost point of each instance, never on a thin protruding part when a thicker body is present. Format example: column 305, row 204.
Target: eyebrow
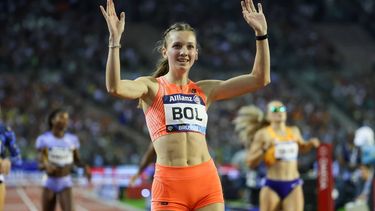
column 175, row 42
column 272, row 106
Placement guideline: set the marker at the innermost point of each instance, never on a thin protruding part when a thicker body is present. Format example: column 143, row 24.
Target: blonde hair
column 248, row 121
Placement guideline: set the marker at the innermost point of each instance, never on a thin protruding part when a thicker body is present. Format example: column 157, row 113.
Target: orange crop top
column 176, row 109
column 285, row 147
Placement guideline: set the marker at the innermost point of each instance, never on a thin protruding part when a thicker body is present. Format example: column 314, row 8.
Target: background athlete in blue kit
column 7, row 145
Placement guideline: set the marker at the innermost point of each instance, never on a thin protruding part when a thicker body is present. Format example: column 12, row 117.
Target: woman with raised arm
column 176, row 109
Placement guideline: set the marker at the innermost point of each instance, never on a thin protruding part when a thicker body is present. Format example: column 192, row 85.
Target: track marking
column 80, row 208
column 26, row 199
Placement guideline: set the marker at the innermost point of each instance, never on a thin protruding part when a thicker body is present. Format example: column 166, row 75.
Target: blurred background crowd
column 53, row 54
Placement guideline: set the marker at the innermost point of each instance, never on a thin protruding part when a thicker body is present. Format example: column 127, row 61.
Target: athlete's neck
column 278, row 127
column 58, row 132
column 177, row 79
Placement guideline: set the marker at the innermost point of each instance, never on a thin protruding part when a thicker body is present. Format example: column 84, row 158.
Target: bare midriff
column 283, row 170
column 62, row 171
column 181, row 149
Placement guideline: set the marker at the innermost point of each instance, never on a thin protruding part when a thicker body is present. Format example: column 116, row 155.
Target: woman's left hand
column 315, row 142
column 253, row 17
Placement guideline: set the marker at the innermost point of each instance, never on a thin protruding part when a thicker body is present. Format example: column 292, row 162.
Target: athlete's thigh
column 66, row 199
column 2, row 195
column 269, row 200
column 294, row 201
column 48, row 199
column 212, row 207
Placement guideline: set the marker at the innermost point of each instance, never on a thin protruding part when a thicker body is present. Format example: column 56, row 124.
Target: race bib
column 60, row 156
column 185, row 112
column 286, row 150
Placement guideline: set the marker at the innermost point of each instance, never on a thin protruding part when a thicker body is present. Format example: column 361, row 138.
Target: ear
column 164, row 52
column 196, row 56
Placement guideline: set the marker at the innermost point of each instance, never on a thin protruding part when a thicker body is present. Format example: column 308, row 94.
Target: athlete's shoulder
column 293, row 128
column 147, row 79
column 207, row 83
column 45, row 134
column 43, row 139
column 265, row 129
column 71, row 135
column 261, row 132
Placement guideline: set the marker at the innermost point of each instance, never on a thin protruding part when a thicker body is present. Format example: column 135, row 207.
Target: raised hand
column 254, row 18
column 115, row 25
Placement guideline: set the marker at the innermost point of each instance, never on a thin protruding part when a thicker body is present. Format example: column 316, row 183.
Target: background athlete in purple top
column 58, row 152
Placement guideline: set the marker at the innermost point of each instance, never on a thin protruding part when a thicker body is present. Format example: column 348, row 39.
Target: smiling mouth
column 183, row 60
column 185, row 63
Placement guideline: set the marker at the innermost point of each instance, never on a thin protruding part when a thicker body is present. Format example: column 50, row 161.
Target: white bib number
column 60, row 156
column 286, row 150
column 185, row 113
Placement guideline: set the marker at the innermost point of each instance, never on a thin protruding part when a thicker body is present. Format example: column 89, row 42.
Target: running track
column 28, row 199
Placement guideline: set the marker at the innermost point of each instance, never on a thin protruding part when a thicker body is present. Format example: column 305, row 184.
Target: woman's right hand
column 255, row 18
column 115, row 25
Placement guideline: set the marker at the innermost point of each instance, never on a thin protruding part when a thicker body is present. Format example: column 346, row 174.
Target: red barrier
column 136, row 192
column 325, row 178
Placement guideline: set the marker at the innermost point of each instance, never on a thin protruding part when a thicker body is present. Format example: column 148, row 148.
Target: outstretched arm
column 260, row 73
column 78, row 162
column 257, row 150
column 305, row 146
column 148, row 158
column 129, row 89
column 43, row 163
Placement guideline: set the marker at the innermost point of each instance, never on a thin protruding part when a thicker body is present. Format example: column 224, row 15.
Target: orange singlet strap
column 287, row 137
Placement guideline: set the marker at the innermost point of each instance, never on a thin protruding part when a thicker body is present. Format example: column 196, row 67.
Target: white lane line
column 26, row 200
column 80, row 208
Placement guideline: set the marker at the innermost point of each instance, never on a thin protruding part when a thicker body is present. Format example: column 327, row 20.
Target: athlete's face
column 276, row 112
column 60, row 121
column 181, row 50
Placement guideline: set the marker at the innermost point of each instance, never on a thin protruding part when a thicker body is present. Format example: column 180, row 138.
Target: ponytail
column 248, row 121
column 162, row 68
